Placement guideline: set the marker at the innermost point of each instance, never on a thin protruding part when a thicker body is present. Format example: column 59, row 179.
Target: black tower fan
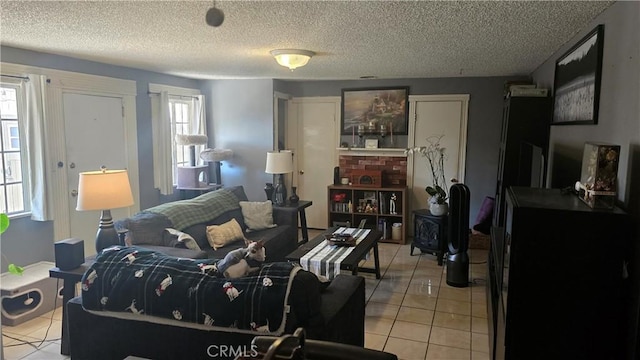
column 458, row 259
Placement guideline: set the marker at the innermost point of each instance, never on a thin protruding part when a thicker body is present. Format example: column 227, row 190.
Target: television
column 531, row 166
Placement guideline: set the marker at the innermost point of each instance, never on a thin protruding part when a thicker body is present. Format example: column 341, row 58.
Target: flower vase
column 293, row 199
column 439, row 209
column 268, row 189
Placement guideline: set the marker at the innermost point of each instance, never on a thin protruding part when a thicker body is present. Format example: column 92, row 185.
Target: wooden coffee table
column 353, row 259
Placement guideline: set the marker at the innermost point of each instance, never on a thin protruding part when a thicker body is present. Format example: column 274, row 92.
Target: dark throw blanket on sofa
column 150, row 284
column 201, row 209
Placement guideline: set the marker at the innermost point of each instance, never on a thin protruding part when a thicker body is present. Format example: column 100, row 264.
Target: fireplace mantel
column 371, row 152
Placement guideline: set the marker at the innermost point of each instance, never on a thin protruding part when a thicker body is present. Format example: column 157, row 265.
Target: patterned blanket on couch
column 148, row 283
column 201, row 209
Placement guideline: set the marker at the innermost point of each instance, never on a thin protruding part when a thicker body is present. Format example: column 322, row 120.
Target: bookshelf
column 349, row 205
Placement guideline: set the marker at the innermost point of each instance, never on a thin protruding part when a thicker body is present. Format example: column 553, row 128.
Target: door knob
column 453, row 180
column 74, row 192
column 301, row 172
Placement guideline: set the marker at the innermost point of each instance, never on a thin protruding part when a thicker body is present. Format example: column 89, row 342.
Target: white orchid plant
column 435, row 154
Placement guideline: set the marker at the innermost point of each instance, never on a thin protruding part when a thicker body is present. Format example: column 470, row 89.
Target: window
column 13, row 176
column 179, row 115
column 174, row 110
column 182, row 113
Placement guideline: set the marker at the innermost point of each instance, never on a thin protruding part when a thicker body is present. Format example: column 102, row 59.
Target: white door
column 314, row 120
column 436, row 115
column 94, row 133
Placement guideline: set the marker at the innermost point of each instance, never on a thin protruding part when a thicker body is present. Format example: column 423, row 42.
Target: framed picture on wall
column 577, row 81
column 373, row 107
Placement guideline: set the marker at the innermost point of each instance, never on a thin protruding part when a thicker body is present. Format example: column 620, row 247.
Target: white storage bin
column 396, row 232
column 24, row 297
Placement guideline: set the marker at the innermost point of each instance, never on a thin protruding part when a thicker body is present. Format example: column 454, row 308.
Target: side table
column 298, row 208
column 430, row 233
column 69, row 280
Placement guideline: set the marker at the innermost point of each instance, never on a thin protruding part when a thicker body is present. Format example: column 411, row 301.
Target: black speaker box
column 336, row 175
column 69, row 253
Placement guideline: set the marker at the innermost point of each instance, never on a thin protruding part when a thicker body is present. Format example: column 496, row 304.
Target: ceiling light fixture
column 215, row 16
column 292, row 58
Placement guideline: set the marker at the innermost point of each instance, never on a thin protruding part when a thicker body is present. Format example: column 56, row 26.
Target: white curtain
column 35, row 100
column 161, row 132
column 198, row 123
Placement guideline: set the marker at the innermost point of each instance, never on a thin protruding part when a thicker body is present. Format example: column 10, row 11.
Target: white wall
column 618, row 123
column 240, row 118
column 619, row 116
column 27, row 241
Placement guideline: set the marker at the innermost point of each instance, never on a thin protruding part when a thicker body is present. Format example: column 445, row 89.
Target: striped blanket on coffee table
column 324, row 260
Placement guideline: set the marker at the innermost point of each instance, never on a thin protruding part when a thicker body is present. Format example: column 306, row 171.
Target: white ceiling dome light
column 292, row 58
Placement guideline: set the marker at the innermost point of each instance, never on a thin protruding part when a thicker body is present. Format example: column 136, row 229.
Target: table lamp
column 279, row 163
column 104, row 190
column 216, row 156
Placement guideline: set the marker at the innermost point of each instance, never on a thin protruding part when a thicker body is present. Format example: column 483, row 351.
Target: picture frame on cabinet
column 371, row 143
column 577, row 81
column 364, row 110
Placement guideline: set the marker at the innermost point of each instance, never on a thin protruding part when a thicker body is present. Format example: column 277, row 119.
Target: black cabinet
column 525, row 120
column 430, row 233
column 558, row 270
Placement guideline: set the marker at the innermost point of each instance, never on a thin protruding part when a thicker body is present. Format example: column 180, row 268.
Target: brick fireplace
column 394, row 168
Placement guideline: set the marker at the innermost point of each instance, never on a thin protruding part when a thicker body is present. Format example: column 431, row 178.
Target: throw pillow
column 257, row 215
column 221, row 235
column 146, row 228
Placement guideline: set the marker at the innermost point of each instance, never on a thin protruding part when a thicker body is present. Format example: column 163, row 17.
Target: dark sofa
column 334, row 314
column 147, row 227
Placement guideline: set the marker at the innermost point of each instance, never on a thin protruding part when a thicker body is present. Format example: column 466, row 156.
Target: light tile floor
column 25, row 341
column 411, row 312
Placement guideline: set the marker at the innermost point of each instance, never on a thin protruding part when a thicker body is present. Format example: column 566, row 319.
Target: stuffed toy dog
column 242, row 262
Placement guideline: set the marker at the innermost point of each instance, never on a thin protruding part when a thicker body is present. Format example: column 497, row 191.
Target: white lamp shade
column 279, row 162
column 104, row 190
column 292, row 58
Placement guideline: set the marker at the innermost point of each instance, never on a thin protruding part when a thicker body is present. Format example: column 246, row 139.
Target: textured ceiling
column 384, row 39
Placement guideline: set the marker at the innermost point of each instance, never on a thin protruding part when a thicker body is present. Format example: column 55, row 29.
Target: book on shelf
column 383, row 203
column 383, row 227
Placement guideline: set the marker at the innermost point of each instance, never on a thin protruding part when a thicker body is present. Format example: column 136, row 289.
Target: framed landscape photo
column 375, row 106
column 577, row 81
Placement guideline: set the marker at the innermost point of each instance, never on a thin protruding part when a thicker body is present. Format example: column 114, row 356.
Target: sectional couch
column 335, row 313
column 147, row 228
column 331, row 312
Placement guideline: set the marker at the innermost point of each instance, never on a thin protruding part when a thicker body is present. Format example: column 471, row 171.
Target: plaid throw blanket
column 324, row 260
column 201, row 209
column 148, row 283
